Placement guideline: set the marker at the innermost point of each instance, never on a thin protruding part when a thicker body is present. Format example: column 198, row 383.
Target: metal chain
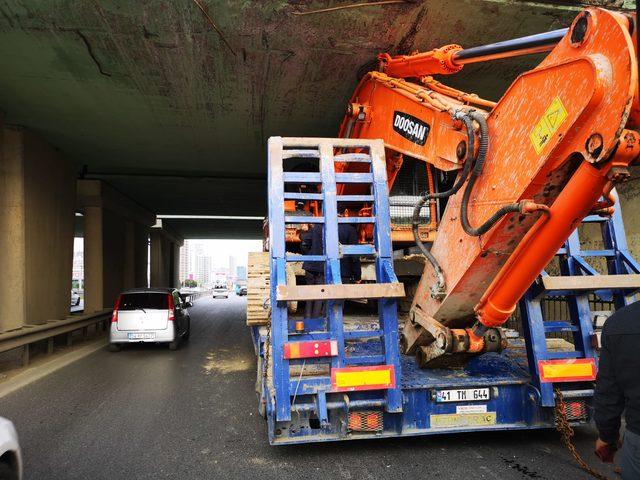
column 566, row 432
column 267, row 354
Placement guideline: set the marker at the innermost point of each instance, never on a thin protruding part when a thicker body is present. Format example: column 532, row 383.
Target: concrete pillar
column 12, row 232
column 130, row 254
column 175, row 264
column 93, row 260
column 165, row 256
column 115, row 243
column 37, row 202
column 159, row 259
column 142, row 255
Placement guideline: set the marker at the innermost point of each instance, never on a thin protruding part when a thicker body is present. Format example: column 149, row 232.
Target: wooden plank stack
column 258, row 288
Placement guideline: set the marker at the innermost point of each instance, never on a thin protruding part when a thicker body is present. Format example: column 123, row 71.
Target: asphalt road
column 147, row 412
column 77, row 308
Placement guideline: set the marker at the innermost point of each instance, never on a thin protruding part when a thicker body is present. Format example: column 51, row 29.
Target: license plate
column 462, row 395
column 142, row 336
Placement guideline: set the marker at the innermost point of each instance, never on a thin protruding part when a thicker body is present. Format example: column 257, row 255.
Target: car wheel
column 173, row 346
column 114, row 347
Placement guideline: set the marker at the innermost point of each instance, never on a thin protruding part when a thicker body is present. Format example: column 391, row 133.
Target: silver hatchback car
column 149, row 315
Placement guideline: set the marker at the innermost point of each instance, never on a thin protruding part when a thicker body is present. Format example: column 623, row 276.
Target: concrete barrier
column 25, row 336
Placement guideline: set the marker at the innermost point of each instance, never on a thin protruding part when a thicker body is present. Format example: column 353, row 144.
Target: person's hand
column 358, row 281
column 605, row 451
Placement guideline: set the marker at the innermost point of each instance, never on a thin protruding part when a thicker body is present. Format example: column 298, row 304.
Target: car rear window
column 147, row 301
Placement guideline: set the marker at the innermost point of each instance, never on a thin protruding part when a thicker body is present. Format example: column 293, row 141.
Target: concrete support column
column 129, row 254
column 165, row 256
column 37, row 201
column 93, row 260
column 115, row 243
column 142, row 255
column 159, row 259
column 12, row 233
column 175, row 265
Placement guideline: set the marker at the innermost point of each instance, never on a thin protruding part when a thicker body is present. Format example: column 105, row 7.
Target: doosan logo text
column 410, row 127
column 415, row 130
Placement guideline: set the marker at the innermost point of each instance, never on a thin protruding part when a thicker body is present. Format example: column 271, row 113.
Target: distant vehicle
column 150, row 315
column 75, row 300
column 241, row 289
column 220, row 290
column 10, row 455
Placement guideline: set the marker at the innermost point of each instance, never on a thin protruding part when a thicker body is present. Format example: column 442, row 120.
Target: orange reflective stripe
column 572, row 370
column 363, row 378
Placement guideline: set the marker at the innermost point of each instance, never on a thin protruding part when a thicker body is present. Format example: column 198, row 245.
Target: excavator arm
column 532, row 165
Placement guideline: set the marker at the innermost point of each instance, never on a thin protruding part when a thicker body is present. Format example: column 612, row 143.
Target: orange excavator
column 530, row 166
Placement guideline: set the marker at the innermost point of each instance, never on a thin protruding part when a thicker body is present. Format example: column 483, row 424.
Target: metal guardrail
column 195, row 295
column 29, row 334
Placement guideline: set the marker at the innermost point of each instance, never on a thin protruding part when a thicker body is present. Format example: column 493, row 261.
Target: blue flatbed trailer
column 341, row 377
column 511, row 403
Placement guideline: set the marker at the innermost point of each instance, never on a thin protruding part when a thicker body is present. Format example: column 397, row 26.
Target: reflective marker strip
column 324, row 348
column 363, row 378
column 572, row 370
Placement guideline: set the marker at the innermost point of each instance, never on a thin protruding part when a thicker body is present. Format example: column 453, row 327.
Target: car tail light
column 170, row 300
column 114, row 315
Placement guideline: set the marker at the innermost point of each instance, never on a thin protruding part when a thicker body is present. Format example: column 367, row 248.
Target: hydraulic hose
column 438, row 291
column 477, row 171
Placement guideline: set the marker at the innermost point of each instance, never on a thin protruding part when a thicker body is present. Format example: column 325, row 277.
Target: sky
column 221, row 250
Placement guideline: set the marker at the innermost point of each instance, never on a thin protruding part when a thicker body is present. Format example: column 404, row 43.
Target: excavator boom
column 537, row 162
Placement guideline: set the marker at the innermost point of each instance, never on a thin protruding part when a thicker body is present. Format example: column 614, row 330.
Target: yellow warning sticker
column 450, row 420
column 548, row 124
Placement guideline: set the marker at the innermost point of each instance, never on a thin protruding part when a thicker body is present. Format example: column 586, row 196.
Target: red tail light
column 114, row 315
column 170, row 300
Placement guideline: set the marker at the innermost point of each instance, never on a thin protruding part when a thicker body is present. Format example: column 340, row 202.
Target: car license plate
column 462, row 395
column 142, row 336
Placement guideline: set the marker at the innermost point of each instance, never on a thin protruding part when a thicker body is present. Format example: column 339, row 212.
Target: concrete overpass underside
column 125, row 110
column 150, row 98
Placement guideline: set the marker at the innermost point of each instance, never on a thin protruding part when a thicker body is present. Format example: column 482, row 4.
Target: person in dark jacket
column 618, row 389
column 350, row 268
column 311, row 244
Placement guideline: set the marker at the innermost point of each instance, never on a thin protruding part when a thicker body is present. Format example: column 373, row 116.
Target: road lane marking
column 36, row 372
